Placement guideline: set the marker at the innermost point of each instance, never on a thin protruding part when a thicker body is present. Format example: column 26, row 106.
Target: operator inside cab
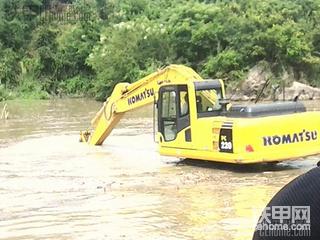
column 184, row 105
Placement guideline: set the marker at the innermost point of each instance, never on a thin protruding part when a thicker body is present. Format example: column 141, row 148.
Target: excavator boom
column 126, row 97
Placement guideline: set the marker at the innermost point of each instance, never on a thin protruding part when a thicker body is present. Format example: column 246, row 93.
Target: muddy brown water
column 53, row 187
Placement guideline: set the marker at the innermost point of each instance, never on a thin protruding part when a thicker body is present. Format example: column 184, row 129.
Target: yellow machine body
column 265, row 139
column 210, row 129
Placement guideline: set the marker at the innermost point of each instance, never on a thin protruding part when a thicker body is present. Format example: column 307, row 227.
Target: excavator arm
column 126, row 97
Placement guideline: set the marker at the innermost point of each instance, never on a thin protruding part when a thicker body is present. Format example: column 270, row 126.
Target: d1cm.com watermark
column 64, row 12
column 52, row 11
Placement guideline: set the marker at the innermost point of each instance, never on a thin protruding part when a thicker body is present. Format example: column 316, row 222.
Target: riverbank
column 260, row 82
column 17, row 94
column 248, row 91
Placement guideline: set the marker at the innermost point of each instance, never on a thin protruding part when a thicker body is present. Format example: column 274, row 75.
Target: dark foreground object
column 295, row 207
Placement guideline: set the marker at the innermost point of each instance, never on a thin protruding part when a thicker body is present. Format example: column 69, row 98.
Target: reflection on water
column 53, row 187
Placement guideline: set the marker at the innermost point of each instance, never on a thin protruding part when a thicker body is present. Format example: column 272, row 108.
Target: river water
column 53, row 187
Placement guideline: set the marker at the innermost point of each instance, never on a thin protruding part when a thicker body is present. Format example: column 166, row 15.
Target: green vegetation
column 98, row 43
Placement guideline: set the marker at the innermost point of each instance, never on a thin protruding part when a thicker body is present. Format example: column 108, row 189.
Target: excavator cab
column 173, row 111
column 181, row 105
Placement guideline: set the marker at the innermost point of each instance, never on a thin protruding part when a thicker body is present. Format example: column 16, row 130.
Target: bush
column 5, row 94
column 76, row 86
column 30, row 88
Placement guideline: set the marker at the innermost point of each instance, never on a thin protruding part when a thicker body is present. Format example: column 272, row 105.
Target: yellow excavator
column 196, row 121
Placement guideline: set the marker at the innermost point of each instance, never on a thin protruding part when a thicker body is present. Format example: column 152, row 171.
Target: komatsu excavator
column 196, row 121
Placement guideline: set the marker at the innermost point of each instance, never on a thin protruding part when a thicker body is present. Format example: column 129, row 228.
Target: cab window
column 207, row 102
column 168, row 115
